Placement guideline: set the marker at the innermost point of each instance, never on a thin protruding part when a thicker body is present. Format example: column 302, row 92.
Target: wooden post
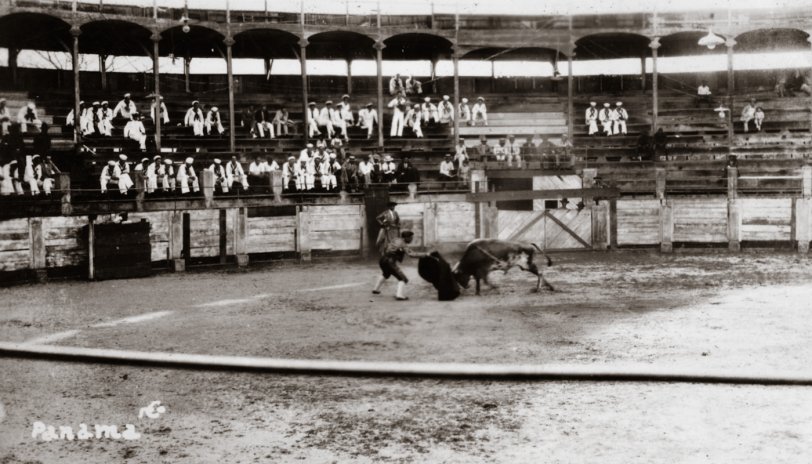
column 491, row 222
column 276, row 185
column 730, row 43
column 156, row 70
column 613, row 223
column 600, row 226
column 223, row 232
column 455, row 57
column 733, row 211
column 305, row 109
column 660, row 183
column 429, row 224
column 63, row 185
column 349, row 76
column 655, row 44
column 141, row 189
column 379, row 46
column 207, row 185
column 303, row 235
column 37, row 238
column 538, row 182
column 588, row 176
column 240, row 222
column 364, row 234
column 91, row 249
column 76, row 31
column 103, row 71
column 803, row 212
column 178, row 264
column 479, row 183
column 232, row 126
column 666, row 226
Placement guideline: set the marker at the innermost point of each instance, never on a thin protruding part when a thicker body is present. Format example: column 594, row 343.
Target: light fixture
column 711, row 40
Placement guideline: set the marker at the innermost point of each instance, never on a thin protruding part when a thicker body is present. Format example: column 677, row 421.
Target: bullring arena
column 196, row 287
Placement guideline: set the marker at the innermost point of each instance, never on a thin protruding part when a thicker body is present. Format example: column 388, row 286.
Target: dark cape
column 436, row 270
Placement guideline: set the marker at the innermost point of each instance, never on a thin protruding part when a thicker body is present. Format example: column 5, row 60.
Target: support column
column 570, row 106
column 455, row 58
column 175, row 251
column 349, row 77
column 76, row 31
column 654, row 45
column 379, row 46
column 156, row 71
column 303, row 60
column 734, row 219
column 187, row 61
column 103, row 71
column 12, row 64
column 643, row 72
column 229, row 41
column 241, row 235
column 730, row 43
column 803, row 212
column 809, row 39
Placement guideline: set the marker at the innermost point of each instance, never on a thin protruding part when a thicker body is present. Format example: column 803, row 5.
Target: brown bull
column 485, row 255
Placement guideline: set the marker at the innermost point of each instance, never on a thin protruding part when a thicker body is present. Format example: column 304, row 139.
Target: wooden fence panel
column 527, row 226
column 159, row 226
column 766, row 219
column 700, row 220
column 65, row 241
column 271, row 234
column 335, row 227
column 638, row 222
column 15, row 245
column 204, row 227
column 456, row 222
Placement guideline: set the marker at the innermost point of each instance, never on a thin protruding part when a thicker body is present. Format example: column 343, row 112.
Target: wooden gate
column 555, row 229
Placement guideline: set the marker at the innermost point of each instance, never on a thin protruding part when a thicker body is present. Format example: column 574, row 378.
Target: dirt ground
column 709, row 310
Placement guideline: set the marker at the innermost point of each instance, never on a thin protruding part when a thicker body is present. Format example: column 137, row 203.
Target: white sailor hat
column 144, row 159
column 619, row 103
column 127, row 95
column 465, row 100
column 345, row 97
column 328, row 102
column 332, row 156
column 340, row 104
column 156, row 158
column 214, row 108
column 446, row 97
column 427, row 99
column 291, row 157
column 190, row 160
column 480, row 99
column 195, row 102
column 95, row 103
column 387, row 157
column 105, row 102
column 369, row 104
column 592, row 103
column 122, row 157
column 416, row 105
column 81, row 102
column 311, row 104
column 309, row 145
column 167, row 161
column 35, row 156
column 606, row 105
column 111, row 163
column 217, row 161
column 31, row 105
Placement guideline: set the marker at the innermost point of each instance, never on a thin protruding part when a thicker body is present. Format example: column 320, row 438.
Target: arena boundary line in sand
column 461, row 371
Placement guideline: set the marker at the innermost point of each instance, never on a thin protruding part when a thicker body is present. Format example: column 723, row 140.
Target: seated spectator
column 480, row 112
column 445, row 111
column 429, row 112
column 163, row 111
column 8, row 174
column 281, row 122
column 349, row 175
column 748, row 113
column 367, row 119
column 307, row 175
column 325, row 120
column 365, row 171
column 619, row 116
column 414, row 119
column 645, row 146
column 125, row 182
column 247, row 120
column 93, row 120
column 530, row 150
column 167, row 176
column 45, row 173
column 134, row 130
column 235, row 173
column 290, row 175
column 195, row 119
column 109, row 176
column 500, row 151
column 388, row 169
column 346, row 111
column 780, row 84
column 483, row 150
column 660, row 143
column 514, row 152
column 259, row 172
column 337, row 146
column 124, row 109
column 214, row 126
column 447, row 171
column 142, row 165
column 758, row 118
column 413, row 86
column 703, row 95
column 105, row 119
column 375, row 169
column 407, row 173
column 220, row 178
column 28, row 119
column 153, row 172
column 461, row 153
column 307, row 152
column 464, row 112
column 312, row 120
column 70, row 119
column 396, row 85
column 605, row 117
column 5, row 117
column 564, row 150
column 338, row 122
column 187, row 178
column 330, row 173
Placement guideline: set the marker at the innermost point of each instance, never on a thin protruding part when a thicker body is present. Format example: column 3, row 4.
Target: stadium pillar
column 570, row 115
column 643, row 72
column 730, row 43
column 303, row 59
column 76, row 31
column 12, row 64
column 156, row 39
column 232, row 146
column 455, row 57
column 103, row 71
column 379, row 46
column 187, row 62
column 654, row 45
column 349, row 76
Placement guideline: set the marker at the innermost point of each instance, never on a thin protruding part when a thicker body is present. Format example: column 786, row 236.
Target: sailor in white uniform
column 214, row 126
column 187, row 178
column 195, row 119
column 591, row 118
column 367, row 119
column 399, row 106
column 620, row 116
column 605, row 117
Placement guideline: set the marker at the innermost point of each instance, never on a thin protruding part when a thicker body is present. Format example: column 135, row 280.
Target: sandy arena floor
column 711, row 310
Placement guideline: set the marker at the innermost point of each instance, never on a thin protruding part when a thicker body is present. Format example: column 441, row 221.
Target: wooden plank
column 14, row 260
column 543, row 194
column 524, row 173
column 567, row 229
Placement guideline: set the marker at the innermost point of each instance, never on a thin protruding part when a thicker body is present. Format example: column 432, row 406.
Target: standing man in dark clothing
column 644, row 146
column 660, row 143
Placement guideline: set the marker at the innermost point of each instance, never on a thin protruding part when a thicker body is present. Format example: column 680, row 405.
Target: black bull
column 479, row 259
